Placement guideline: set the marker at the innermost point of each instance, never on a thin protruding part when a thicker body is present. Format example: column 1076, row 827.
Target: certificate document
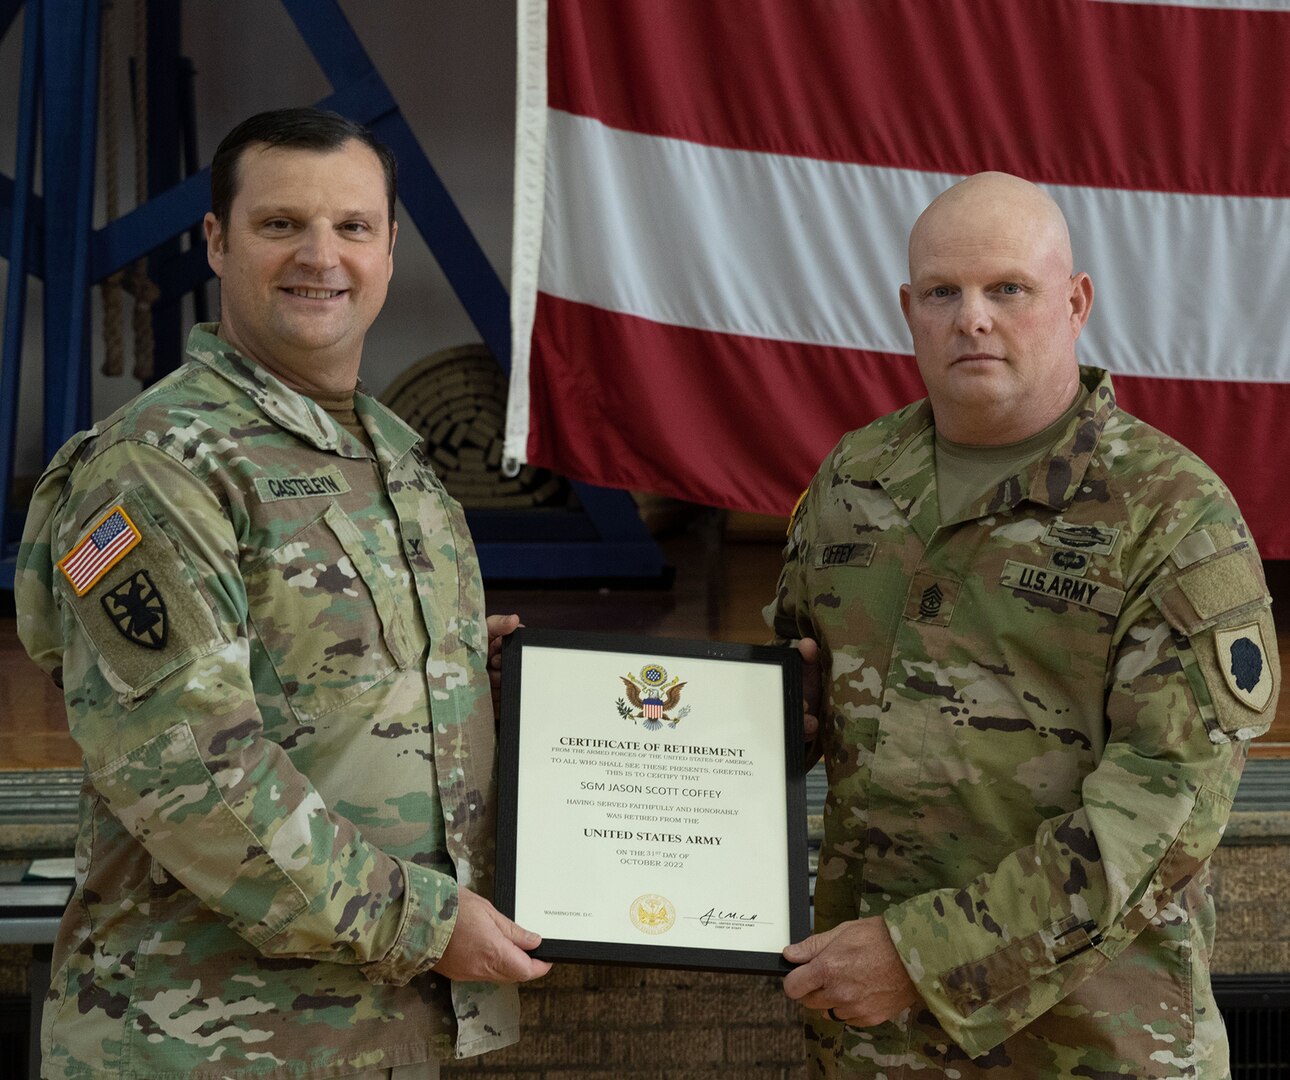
column 651, row 800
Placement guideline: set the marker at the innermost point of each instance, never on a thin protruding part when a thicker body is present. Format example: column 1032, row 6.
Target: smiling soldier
column 1043, row 642
column 266, row 615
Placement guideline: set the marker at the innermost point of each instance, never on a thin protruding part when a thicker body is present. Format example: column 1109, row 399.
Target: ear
column 394, row 235
column 1081, row 300
column 905, row 294
column 214, row 243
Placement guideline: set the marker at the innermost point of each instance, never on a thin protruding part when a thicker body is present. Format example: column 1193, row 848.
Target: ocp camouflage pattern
column 280, row 800
column 1033, row 736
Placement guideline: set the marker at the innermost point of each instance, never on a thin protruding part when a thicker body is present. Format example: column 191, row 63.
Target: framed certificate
column 651, row 804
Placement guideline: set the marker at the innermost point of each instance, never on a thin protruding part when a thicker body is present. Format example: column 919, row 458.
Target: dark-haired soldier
column 267, row 617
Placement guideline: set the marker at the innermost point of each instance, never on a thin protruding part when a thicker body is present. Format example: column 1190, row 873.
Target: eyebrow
column 270, row 211
column 1009, row 273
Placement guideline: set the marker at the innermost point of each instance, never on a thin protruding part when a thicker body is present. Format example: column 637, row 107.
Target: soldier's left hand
column 852, row 972
column 499, row 626
column 486, row 946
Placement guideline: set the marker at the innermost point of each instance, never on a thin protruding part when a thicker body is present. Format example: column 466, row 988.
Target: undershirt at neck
column 965, row 474
column 340, row 407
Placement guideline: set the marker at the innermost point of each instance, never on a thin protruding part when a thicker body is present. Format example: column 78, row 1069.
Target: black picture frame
column 538, row 648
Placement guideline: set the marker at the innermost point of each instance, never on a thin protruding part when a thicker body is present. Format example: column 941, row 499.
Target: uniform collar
column 296, row 412
column 906, row 468
column 1055, row 478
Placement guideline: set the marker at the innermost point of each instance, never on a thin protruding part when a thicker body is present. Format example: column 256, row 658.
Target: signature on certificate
column 722, row 918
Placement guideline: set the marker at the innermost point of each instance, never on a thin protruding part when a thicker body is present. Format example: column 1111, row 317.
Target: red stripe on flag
column 1144, row 96
column 744, row 422
column 709, row 417
column 91, row 560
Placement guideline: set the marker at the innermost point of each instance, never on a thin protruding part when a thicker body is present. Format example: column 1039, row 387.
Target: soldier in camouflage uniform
column 268, row 621
column 1034, row 696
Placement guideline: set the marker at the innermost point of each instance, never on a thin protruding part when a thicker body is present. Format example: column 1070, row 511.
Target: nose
column 317, row 249
column 973, row 317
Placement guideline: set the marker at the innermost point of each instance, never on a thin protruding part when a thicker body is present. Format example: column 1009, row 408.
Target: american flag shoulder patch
column 101, row 549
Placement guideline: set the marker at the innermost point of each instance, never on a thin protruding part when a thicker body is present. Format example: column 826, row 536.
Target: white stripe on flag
column 1225, row 5
column 799, row 249
column 526, row 241
column 84, row 568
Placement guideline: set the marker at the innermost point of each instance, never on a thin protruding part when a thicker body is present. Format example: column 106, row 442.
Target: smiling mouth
column 315, row 294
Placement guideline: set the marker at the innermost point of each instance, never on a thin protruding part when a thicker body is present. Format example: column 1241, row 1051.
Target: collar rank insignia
column 1242, row 657
column 138, row 611
column 650, row 698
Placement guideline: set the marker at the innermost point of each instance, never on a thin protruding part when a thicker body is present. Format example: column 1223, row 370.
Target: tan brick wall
column 587, row 1022
column 1251, row 885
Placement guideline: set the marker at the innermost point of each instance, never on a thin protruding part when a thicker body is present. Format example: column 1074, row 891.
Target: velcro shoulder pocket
column 140, row 605
column 1216, row 589
column 1220, row 606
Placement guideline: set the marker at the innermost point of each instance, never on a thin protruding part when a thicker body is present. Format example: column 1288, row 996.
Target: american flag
column 94, row 556
column 710, row 232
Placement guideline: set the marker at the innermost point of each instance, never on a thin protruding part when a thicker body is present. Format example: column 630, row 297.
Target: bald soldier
column 266, row 616
column 1042, row 643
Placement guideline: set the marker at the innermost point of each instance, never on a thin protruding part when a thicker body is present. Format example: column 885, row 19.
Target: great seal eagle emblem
column 650, row 698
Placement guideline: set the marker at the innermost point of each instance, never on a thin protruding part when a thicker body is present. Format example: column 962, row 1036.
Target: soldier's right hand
column 810, row 653
column 486, row 946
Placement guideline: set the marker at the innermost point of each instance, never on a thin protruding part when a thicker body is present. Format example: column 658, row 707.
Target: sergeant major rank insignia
column 651, row 698
column 138, row 611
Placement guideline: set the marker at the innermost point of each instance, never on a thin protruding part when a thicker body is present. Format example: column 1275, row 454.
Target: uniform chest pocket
column 857, row 587
column 470, row 588
column 439, row 550
column 326, row 615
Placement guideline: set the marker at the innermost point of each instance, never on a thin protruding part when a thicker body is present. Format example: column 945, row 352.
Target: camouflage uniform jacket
column 1034, row 721
column 279, row 688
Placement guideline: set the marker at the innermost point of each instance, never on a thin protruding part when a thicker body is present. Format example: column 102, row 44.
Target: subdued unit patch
column 137, row 608
column 1242, row 658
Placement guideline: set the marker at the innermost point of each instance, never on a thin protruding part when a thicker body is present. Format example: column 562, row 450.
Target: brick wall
column 588, row 1022
column 1251, row 881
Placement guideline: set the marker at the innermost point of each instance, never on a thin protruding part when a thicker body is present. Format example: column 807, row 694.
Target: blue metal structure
column 53, row 238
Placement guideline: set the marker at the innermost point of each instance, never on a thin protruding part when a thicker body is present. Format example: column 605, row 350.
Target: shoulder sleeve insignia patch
column 106, row 544
column 1242, row 658
column 137, row 609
